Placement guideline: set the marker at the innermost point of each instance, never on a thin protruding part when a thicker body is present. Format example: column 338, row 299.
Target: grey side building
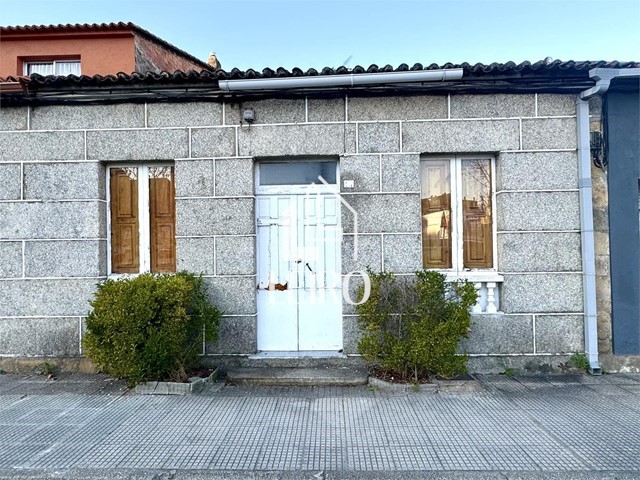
column 279, row 187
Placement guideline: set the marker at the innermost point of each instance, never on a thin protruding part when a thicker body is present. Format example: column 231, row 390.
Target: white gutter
column 603, row 77
column 346, row 80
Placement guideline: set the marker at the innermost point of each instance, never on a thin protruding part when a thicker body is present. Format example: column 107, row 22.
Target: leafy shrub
column 150, row 327
column 412, row 325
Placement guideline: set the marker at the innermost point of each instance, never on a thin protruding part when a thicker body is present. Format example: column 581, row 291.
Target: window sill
column 474, row 276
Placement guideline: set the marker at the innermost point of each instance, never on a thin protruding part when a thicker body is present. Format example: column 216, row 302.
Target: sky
column 314, row 34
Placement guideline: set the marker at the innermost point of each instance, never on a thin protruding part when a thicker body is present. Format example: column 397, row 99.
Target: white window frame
column 144, row 215
column 296, row 189
column 53, row 63
column 457, row 253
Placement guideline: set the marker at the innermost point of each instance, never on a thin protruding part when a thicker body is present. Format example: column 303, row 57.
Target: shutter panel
column 162, row 210
column 125, row 251
column 476, row 214
column 436, row 214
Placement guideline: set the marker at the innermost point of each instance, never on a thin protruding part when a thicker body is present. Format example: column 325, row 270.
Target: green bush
column 150, row 327
column 411, row 326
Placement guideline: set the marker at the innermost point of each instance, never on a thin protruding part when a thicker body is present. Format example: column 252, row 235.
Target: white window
column 458, row 231
column 142, row 218
column 53, row 67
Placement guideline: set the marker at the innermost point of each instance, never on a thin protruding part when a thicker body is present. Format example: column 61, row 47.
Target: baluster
column 477, row 308
column 491, row 298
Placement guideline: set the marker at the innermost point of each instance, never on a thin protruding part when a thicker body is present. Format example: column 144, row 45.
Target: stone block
column 215, row 216
column 402, row 253
column 76, row 258
column 10, row 181
column 537, row 171
column 33, row 220
column 233, row 295
column 559, row 334
column 13, row 118
column 490, row 106
column 541, row 293
column 234, row 177
column 54, row 337
column 378, row 137
column 351, row 334
column 551, row 104
column 595, row 108
column 235, row 255
column 10, row 259
column 539, row 252
column 186, row 114
column 350, row 130
column 461, row 136
column 499, row 334
column 271, row 110
column 213, row 142
column 415, row 107
column 40, row 298
column 57, row 181
column 196, row 255
column 67, row 117
column 325, row 109
column 18, row 146
column 388, row 213
column 401, row 173
column 544, row 211
column 352, row 283
column 121, row 145
column 237, row 335
column 364, row 170
column 546, row 133
column 292, row 140
column 194, row 178
column 369, row 253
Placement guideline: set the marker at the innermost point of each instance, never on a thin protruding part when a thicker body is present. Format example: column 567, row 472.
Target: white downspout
column 603, row 77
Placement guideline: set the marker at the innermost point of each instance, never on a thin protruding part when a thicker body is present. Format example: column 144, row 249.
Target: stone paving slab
column 568, row 426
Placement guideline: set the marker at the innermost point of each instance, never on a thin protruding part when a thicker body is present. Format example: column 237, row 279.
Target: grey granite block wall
column 55, row 337
column 76, row 258
column 50, row 146
column 10, row 181
column 216, row 236
column 86, row 117
column 13, row 118
column 489, row 106
column 464, row 136
column 416, row 107
column 187, row 114
column 34, row 220
column 62, row 180
column 10, row 259
column 141, row 145
column 537, row 171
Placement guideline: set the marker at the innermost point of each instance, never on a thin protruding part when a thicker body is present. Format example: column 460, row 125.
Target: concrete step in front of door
column 297, row 377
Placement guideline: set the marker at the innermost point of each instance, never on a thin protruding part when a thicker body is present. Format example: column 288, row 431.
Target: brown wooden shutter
column 125, row 251
column 477, row 226
column 162, row 209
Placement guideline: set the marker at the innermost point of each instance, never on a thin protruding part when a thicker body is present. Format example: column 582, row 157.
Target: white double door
column 299, row 291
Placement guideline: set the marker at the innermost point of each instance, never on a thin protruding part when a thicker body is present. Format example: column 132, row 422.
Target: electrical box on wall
column 348, row 184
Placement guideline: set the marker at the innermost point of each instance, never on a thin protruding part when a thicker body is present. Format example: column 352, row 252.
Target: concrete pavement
column 90, row 426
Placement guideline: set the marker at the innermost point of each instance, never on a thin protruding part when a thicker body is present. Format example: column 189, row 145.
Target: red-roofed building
column 89, row 49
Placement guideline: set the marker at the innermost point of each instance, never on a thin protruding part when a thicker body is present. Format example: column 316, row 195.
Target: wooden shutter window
column 125, row 250
column 436, row 214
column 477, row 226
column 162, row 212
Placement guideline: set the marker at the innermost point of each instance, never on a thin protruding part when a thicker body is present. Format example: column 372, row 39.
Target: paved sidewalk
column 76, row 425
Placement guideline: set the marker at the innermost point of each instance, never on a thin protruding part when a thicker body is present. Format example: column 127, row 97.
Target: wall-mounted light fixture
column 597, row 148
column 249, row 115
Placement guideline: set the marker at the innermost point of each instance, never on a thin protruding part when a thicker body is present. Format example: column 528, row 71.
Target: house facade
column 89, row 49
column 282, row 188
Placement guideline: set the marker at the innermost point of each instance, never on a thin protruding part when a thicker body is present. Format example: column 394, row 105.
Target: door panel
column 125, row 252
column 299, row 288
column 162, row 211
